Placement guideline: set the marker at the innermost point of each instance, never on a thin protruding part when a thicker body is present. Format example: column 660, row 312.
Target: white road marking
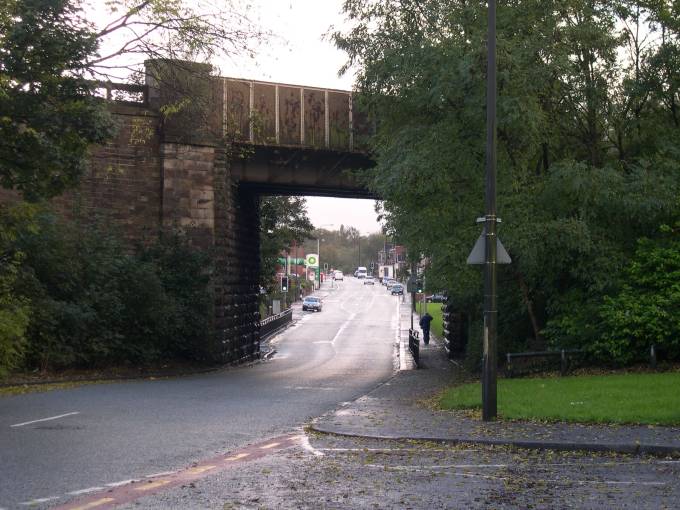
column 304, row 441
column 39, row 500
column 385, row 450
column 85, row 491
column 162, row 473
column 304, row 388
column 123, row 482
column 343, row 327
column 500, row 466
column 45, row 419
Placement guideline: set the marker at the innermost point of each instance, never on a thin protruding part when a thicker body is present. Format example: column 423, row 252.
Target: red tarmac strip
column 115, row 496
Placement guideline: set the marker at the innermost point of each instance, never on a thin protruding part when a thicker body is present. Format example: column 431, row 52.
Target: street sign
column 312, row 260
column 478, row 253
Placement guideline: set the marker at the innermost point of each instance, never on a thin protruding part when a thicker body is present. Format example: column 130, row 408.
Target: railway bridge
column 196, row 151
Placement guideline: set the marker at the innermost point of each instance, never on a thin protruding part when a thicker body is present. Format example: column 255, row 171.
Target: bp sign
column 312, row 260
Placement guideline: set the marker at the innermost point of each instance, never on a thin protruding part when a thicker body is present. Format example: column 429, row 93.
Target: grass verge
column 435, row 310
column 652, row 399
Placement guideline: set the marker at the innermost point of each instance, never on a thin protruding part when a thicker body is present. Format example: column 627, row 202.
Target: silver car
column 311, row 303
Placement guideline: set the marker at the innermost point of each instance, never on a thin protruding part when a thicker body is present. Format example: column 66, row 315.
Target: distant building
column 393, row 255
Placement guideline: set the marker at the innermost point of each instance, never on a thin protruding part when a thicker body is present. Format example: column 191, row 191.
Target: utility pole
column 490, row 348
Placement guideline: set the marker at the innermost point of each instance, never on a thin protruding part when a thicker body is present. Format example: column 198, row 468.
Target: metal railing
column 563, row 354
column 414, row 345
column 126, row 93
column 272, row 324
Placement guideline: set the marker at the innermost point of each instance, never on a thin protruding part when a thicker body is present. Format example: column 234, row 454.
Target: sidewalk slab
column 398, row 410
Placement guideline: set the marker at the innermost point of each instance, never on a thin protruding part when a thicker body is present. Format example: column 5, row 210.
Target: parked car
column 387, row 280
column 338, row 275
column 436, row 298
column 311, row 303
column 397, row 289
column 369, row 280
column 391, row 283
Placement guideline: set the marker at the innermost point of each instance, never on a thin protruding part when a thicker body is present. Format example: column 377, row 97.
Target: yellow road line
column 200, row 469
column 238, row 456
column 152, row 485
column 270, row 445
column 94, row 504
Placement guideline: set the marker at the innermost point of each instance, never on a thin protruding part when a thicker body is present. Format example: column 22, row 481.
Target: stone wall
column 237, row 265
column 122, row 184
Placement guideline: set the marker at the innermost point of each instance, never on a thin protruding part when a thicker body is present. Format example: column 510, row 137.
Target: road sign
column 312, row 260
column 478, row 253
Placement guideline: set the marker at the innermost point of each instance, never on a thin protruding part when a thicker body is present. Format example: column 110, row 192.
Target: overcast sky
column 300, row 55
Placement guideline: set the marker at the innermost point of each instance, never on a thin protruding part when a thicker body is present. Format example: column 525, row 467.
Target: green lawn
column 435, row 310
column 625, row 398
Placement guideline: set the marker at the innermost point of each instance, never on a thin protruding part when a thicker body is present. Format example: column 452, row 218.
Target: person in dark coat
column 425, row 326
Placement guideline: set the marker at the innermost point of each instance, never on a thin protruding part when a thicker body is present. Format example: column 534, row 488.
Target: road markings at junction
column 268, row 446
column 128, row 491
column 94, row 504
column 304, row 441
column 152, row 485
column 466, row 474
column 86, row 491
column 343, row 327
column 44, row 419
column 37, row 501
column 238, row 457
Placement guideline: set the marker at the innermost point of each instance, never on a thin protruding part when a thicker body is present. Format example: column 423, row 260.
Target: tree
column 197, row 31
column 50, row 52
column 48, row 115
column 587, row 158
column 283, row 221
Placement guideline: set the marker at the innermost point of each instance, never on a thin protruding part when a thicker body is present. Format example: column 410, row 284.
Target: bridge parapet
column 265, row 113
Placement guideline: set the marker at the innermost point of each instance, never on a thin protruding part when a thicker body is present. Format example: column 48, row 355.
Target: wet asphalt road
column 120, row 431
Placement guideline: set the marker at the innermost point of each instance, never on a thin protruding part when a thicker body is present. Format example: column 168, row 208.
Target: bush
column 95, row 301
column 645, row 310
column 14, row 309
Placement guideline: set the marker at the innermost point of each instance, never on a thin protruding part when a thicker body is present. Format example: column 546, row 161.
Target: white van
column 361, row 272
column 338, row 275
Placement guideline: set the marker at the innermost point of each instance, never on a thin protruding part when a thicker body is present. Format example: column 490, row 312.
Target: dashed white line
column 123, row 482
column 45, row 419
column 343, row 327
column 85, row 491
column 162, row 473
column 38, row 501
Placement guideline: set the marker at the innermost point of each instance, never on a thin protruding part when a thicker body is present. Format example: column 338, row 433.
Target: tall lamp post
column 490, row 348
column 318, row 248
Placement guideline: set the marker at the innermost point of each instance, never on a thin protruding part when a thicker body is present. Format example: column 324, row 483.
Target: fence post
column 563, row 363
column 652, row 357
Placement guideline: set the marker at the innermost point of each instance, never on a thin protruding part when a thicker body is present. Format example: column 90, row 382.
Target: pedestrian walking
column 425, row 326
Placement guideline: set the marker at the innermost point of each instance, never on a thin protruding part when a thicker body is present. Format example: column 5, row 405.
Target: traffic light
column 284, row 284
column 419, row 286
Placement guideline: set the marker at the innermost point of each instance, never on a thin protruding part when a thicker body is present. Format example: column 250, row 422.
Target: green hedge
column 91, row 300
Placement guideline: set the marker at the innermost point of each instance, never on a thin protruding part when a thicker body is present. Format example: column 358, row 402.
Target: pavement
column 398, row 409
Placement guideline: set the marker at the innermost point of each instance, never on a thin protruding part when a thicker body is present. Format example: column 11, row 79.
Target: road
column 61, row 444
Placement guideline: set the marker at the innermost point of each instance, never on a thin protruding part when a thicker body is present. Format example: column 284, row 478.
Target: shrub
column 95, row 301
column 645, row 310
